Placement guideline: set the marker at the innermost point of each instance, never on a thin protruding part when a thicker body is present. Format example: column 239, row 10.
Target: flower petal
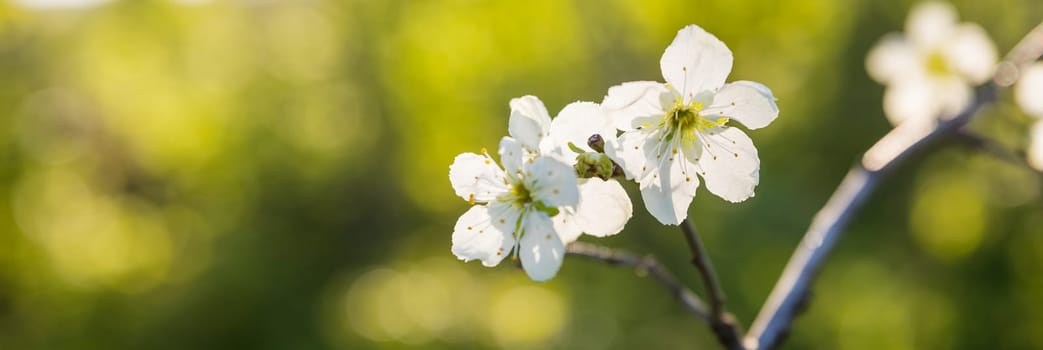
column 930, row 23
column 635, row 99
column 730, row 165
column 604, row 207
column 747, row 102
column 910, row 99
column 1029, row 91
column 479, row 235
column 1035, row 151
column 669, row 188
column 695, row 62
column 953, row 96
column 627, row 152
column 893, row 58
column 971, row 52
column 529, row 121
column 566, row 225
column 552, row 182
column 576, row 123
column 512, row 155
column 541, row 250
column 476, row 178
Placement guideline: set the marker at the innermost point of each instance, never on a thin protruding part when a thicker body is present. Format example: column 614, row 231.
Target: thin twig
column 724, row 324
column 989, row 146
column 787, row 298
column 644, row 265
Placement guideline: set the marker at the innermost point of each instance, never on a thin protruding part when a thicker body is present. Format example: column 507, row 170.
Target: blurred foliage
column 270, row 174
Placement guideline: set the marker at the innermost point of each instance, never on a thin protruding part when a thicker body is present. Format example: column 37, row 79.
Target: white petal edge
column 512, row 156
column 552, row 182
column 541, row 250
column 566, row 225
column 953, row 94
column 576, row 123
column 893, row 58
column 626, row 152
column 1029, row 91
column 746, row 102
column 529, row 121
column 910, row 99
column 475, row 237
column 730, row 165
column 930, row 23
column 669, row 191
column 476, row 178
column 604, row 207
column 695, row 62
column 634, row 99
column 971, row 52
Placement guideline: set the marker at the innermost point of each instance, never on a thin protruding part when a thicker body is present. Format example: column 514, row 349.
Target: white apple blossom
column 604, row 207
column 931, row 69
column 675, row 131
column 512, row 209
column 1029, row 95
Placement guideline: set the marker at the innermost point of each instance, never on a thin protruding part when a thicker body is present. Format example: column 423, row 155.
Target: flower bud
column 597, row 143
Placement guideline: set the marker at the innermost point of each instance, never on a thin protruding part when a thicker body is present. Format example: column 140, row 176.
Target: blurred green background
column 273, row 175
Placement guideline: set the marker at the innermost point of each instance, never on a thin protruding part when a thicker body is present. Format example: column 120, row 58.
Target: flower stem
column 991, row 147
column 723, row 323
column 643, row 265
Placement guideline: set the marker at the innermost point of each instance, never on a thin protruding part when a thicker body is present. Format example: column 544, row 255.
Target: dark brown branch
column 787, row 298
column 644, row 265
column 724, row 324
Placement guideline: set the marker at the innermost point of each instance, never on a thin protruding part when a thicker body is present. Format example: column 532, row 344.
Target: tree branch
column 723, row 324
column 644, row 265
column 788, row 296
column 909, row 139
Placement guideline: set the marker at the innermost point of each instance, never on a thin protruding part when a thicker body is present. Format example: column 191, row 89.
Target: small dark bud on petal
column 597, row 143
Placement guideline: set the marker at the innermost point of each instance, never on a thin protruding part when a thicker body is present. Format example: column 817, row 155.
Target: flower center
column 936, row 64
column 521, row 196
column 685, row 121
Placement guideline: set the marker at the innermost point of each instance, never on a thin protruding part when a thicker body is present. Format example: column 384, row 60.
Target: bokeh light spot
column 526, row 315
column 948, row 216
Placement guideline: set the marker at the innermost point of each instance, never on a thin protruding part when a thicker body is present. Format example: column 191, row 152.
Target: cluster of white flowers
column 559, row 177
column 931, row 69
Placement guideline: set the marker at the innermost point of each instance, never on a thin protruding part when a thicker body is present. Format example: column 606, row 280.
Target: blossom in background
column 1029, row 95
column 675, row 131
column 931, row 69
column 604, row 207
column 512, row 208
